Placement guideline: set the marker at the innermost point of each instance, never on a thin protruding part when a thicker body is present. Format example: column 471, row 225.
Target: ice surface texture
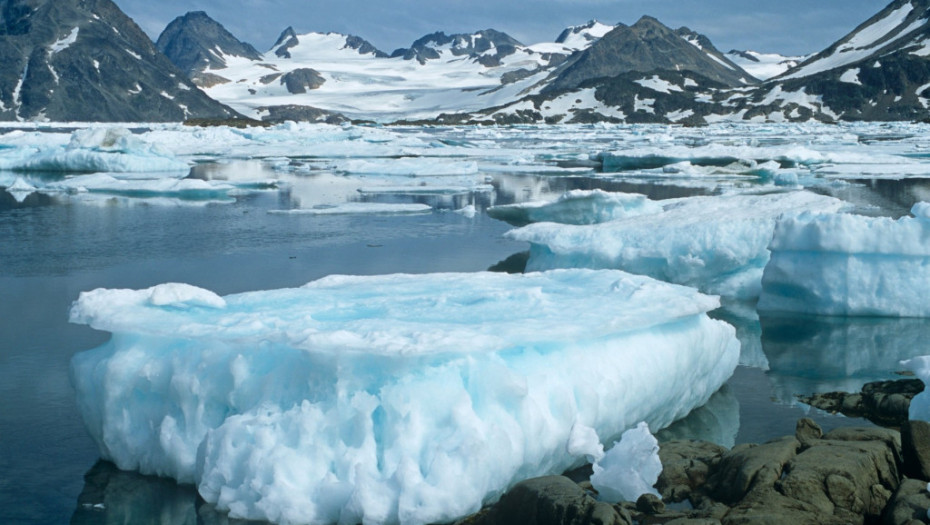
column 717, row 244
column 840, row 264
column 400, row 398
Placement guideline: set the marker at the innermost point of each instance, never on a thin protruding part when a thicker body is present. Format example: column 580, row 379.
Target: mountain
column 879, row 71
column 195, row 42
column 330, row 76
column 580, row 37
column 764, row 65
column 646, row 46
column 85, row 60
column 475, row 45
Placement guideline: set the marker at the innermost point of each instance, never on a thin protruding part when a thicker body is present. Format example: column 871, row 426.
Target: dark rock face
column 364, row 47
column 300, row 114
column 644, row 47
column 553, row 500
column 191, row 43
column 473, row 46
column 85, row 60
column 286, row 41
column 302, row 79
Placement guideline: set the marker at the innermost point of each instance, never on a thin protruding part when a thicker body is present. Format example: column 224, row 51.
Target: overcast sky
column 787, row 27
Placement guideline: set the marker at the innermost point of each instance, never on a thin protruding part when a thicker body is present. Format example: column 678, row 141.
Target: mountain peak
column 195, row 42
column 70, row 60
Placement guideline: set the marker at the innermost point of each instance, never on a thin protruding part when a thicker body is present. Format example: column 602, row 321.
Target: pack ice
column 717, row 244
column 92, row 150
column 843, row 264
column 388, row 399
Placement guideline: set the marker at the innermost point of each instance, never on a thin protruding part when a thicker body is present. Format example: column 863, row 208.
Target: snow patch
column 65, row 43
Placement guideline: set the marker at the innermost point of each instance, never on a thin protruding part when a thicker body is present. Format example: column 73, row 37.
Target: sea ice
column 577, row 207
column 920, row 404
column 94, row 150
column 388, row 399
column 843, row 264
column 717, row 244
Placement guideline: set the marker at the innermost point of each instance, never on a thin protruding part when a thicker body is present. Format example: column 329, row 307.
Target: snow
column 851, row 76
column 65, row 43
column 395, row 399
column 657, row 84
column 576, row 207
column 581, row 37
column 766, row 65
column 862, row 43
column 842, row 264
column 718, row 244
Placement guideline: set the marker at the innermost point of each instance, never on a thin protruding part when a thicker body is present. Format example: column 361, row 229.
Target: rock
column 302, row 79
column 746, row 467
column 685, row 467
column 807, row 432
column 915, row 445
column 843, row 476
column 884, row 403
column 650, row 504
column 909, row 504
column 551, row 500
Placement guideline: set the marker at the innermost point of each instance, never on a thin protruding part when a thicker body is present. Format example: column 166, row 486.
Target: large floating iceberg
column 399, row 398
column 717, row 244
column 842, row 264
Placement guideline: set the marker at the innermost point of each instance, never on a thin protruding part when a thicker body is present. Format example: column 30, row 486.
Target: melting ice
column 398, row 398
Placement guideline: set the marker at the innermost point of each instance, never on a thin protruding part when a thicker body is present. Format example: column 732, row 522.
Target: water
column 52, row 248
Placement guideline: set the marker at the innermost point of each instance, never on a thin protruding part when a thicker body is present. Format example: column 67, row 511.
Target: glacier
column 388, row 399
column 718, row 244
column 845, row 264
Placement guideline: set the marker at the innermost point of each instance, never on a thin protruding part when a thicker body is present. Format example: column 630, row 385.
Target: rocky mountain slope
column 195, row 42
column 85, row 60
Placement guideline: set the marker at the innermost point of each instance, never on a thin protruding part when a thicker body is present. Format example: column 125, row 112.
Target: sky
column 788, row 27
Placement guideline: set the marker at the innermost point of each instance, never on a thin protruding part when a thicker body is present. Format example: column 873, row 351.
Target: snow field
column 390, row 399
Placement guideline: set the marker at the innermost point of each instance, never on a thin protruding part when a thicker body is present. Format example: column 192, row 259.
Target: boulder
column 915, row 444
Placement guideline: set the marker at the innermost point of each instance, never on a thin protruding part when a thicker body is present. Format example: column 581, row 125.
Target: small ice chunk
column 920, row 404
column 583, row 441
column 629, row 469
column 921, row 210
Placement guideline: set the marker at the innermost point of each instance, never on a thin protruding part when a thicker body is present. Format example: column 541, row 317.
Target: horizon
column 728, row 23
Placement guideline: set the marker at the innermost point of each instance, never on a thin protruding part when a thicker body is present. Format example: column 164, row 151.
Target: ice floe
column 718, row 244
column 388, row 399
column 844, row 264
column 577, row 207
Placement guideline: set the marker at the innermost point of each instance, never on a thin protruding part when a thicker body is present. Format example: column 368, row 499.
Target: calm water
column 51, row 250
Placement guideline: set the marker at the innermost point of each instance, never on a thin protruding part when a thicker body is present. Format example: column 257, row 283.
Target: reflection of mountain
column 821, row 354
column 717, row 421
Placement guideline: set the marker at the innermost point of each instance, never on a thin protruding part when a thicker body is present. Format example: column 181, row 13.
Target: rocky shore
column 863, row 475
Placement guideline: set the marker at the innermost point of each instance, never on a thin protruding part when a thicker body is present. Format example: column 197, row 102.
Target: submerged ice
column 389, row 399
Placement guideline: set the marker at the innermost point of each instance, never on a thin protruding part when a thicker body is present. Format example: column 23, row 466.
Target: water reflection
column 115, row 497
column 717, row 421
column 808, row 354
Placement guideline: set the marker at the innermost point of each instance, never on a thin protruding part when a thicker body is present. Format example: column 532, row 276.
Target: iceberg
column 576, row 207
column 388, row 399
column 843, row 264
column 93, row 150
column 717, row 244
